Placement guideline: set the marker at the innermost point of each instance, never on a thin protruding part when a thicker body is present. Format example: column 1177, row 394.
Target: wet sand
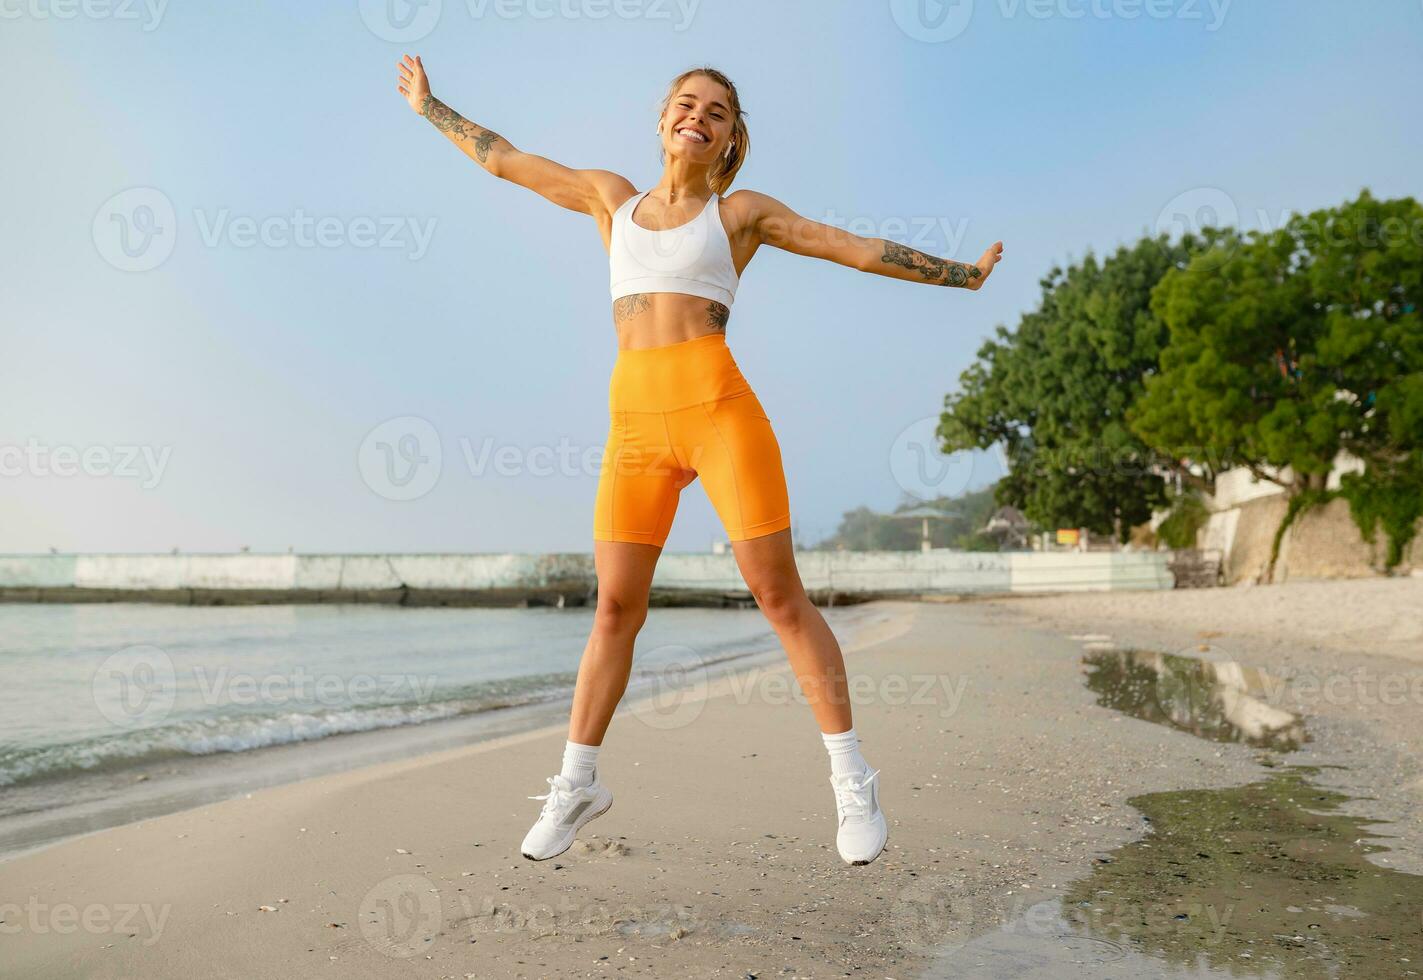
column 1006, row 781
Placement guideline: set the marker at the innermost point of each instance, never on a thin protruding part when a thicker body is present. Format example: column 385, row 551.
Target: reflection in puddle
column 1264, row 880
column 1223, row 702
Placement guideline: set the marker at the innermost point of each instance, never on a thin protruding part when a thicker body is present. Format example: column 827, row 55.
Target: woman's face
column 697, row 125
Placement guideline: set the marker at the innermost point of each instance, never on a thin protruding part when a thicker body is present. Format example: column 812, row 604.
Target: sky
column 250, row 299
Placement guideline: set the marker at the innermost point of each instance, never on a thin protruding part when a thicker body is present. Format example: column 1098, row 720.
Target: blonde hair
column 723, row 172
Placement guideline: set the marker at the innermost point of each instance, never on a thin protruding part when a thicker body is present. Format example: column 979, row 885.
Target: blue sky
column 331, row 266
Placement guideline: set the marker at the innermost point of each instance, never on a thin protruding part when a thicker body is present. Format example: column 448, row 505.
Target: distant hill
column 863, row 529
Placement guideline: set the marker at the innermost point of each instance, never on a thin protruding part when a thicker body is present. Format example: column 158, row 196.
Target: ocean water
column 115, row 712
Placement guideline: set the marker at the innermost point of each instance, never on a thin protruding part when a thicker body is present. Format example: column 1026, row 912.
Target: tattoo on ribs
column 627, row 307
column 447, row 121
column 942, row 272
column 718, row 314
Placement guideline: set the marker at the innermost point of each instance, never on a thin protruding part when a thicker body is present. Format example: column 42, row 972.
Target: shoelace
column 853, row 791
column 556, row 796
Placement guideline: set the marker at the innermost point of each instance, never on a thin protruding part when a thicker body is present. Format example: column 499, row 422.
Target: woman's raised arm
column 778, row 225
column 593, row 192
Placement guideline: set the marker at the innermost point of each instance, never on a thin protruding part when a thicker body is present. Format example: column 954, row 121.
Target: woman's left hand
column 985, row 265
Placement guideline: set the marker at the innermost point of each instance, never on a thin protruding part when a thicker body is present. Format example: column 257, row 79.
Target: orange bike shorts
column 676, row 413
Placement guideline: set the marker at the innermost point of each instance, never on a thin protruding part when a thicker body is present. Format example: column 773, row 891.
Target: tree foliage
column 1286, row 347
column 1055, row 393
column 1273, row 350
column 963, row 518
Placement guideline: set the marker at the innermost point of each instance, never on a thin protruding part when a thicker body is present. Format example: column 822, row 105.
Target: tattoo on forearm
column 451, row 123
column 627, row 307
column 941, row 272
column 718, row 314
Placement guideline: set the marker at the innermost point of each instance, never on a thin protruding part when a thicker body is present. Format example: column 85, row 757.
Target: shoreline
column 60, row 807
column 1005, row 781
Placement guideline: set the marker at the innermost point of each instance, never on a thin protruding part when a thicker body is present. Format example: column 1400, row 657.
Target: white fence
column 875, row 572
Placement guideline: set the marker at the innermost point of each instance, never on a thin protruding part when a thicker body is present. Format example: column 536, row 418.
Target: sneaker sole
column 573, row 834
column 882, row 849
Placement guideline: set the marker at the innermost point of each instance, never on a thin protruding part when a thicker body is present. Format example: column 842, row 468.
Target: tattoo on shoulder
column 718, row 314
column 627, row 307
column 447, row 121
column 942, row 272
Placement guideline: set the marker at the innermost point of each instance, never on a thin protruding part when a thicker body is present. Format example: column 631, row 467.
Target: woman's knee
column 619, row 614
column 782, row 603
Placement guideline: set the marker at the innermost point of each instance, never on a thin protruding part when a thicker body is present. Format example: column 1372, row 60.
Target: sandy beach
column 1005, row 779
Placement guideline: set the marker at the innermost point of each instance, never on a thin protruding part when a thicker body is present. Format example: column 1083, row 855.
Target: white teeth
column 691, row 134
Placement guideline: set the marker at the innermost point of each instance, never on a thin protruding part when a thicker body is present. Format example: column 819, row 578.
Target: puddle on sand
column 1223, row 702
column 1263, row 880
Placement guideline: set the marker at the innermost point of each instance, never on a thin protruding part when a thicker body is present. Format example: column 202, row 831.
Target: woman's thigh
column 733, row 448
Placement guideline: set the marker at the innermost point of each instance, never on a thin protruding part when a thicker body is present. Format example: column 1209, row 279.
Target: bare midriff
column 646, row 320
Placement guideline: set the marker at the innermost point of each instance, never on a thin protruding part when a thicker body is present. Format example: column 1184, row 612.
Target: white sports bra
column 694, row 258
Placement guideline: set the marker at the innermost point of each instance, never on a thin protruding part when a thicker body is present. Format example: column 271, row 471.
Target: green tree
column 1288, row 346
column 963, row 517
column 1056, row 391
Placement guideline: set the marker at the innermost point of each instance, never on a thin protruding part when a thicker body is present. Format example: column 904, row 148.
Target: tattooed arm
column 775, row 224
column 586, row 191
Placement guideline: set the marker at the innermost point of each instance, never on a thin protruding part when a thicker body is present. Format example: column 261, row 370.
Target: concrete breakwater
column 565, row 579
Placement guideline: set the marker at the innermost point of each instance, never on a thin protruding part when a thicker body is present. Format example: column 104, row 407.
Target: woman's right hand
column 413, row 84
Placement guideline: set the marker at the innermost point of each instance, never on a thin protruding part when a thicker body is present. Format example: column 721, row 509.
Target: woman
column 680, row 409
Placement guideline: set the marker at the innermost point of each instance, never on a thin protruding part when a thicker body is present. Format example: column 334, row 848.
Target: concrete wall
column 1323, row 542
column 870, row 573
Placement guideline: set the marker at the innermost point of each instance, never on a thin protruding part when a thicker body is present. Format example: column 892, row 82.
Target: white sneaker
column 863, row 831
column 567, row 809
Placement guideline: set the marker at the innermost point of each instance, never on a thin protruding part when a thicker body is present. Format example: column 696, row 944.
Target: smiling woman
column 680, row 409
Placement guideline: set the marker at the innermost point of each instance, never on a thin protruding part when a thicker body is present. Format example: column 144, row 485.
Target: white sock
column 578, row 762
column 844, row 751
